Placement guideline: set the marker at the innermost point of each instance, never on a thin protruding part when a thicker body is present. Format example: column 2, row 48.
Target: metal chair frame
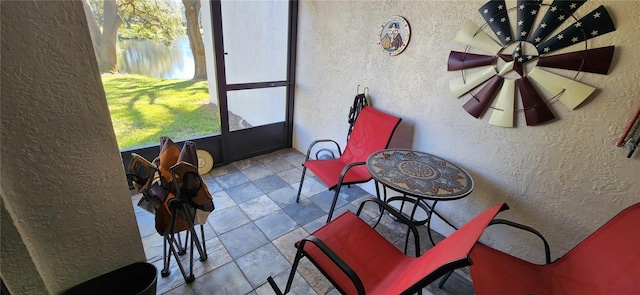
column 336, row 188
column 441, row 262
column 172, row 243
column 178, row 205
column 605, row 262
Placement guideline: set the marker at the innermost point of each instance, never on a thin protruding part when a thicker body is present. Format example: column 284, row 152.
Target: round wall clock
column 394, row 35
column 502, row 64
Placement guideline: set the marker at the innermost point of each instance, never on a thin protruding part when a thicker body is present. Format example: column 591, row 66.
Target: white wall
column 565, row 178
column 66, row 209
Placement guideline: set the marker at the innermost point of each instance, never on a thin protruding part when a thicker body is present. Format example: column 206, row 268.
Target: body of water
column 145, row 57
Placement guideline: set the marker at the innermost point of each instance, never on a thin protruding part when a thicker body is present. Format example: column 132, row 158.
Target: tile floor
column 250, row 234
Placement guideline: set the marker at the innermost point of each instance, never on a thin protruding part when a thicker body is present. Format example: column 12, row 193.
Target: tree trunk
column 108, row 60
column 94, row 30
column 192, row 12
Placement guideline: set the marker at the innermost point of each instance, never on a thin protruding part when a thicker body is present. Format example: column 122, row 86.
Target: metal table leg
column 432, row 211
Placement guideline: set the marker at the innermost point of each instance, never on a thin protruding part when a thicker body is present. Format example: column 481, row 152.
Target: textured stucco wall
column 62, row 180
column 565, row 178
column 15, row 256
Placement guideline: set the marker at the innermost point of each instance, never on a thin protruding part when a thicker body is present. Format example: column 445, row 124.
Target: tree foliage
column 152, row 19
column 157, row 20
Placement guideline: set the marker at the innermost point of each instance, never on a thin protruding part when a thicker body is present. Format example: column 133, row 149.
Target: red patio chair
column 358, row 260
column 371, row 132
column 606, row 262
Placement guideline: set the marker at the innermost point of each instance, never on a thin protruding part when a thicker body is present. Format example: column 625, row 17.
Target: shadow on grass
column 143, row 109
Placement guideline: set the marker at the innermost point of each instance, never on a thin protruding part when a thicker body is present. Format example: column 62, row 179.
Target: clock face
column 510, row 64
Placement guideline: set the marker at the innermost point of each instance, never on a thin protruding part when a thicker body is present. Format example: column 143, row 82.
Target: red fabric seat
column 606, row 262
column 379, row 265
column 372, row 132
column 328, row 172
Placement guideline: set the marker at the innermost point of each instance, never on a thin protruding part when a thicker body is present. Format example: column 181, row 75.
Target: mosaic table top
column 419, row 174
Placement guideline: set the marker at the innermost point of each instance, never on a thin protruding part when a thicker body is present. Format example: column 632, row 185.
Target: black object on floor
column 139, row 278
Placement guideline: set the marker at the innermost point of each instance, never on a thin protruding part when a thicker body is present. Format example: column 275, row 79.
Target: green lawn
column 143, row 109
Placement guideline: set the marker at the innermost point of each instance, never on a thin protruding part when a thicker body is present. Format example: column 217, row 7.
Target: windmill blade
column 536, row 110
column 504, row 110
column 495, row 15
column 463, row 60
column 527, row 12
column 595, row 60
column 570, row 92
column 462, row 85
column 558, row 12
column 472, row 35
column 479, row 103
column 596, row 23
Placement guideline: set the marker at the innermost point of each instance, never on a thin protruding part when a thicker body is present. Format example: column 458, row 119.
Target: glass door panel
column 255, row 40
column 250, row 49
column 256, row 107
column 255, row 51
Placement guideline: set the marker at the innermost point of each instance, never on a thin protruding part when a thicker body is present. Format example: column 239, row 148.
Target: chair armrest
column 547, row 251
column 346, row 169
column 344, row 267
column 395, row 214
column 137, row 179
column 319, row 141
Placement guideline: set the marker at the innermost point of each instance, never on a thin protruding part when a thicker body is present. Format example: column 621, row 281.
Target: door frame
column 245, row 143
column 230, row 146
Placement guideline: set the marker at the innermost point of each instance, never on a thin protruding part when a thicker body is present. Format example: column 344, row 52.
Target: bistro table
column 419, row 177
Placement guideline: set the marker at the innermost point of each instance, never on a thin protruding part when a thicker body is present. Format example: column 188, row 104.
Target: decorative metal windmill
column 516, row 61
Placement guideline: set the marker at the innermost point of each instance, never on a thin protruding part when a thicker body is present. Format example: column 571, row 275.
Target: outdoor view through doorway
column 154, row 83
column 213, row 72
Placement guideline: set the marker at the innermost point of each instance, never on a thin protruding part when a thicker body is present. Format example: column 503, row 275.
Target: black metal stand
column 178, row 206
